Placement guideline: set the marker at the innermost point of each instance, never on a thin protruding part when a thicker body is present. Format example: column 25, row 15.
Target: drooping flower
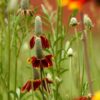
column 25, row 10
column 87, row 21
column 73, row 22
column 35, row 84
column 45, row 62
column 44, row 41
column 38, row 33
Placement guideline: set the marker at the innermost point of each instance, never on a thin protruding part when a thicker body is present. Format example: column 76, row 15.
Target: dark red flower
column 44, row 40
column 82, row 98
column 41, row 63
column 35, row 84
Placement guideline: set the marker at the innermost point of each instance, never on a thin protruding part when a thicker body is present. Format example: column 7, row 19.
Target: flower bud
column 73, row 21
column 67, row 45
column 49, row 76
column 38, row 25
column 38, row 45
column 70, row 52
column 87, row 21
column 24, row 4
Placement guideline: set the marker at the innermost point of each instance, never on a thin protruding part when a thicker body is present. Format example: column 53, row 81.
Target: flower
column 82, row 98
column 87, row 21
column 70, row 52
column 35, row 84
column 38, row 32
column 44, row 41
column 64, row 2
column 74, row 4
column 41, row 63
column 24, row 10
column 96, row 96
column 73, row 21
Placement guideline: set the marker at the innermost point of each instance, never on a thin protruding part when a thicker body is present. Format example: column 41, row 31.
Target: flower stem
column 9, row 55
column 86, row 57
column 41, row 70
column 70, row 75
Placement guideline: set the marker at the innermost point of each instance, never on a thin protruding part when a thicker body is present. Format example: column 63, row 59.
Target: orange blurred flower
column 96, row 96
column 74, row 4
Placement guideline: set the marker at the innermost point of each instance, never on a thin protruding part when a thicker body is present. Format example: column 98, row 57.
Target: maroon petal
column 49, row 60
column 32, row 42
column 36, row 63
column 27, row 86
column 36, row 84
column 45, row 42
column 44, row 63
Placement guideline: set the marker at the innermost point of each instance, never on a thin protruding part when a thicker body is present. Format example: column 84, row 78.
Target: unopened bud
column 24, row 4
column 38, row 25
column 67, row 45
column 49, row 76
column 70, row 52
column 87, row 21
column 38, row 45
column 73, row 21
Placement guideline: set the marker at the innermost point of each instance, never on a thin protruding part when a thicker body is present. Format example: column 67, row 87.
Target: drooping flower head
column 25, row 10
column 35, row 84
column 39, row 33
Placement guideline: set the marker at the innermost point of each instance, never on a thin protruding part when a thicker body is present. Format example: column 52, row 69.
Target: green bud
column 24, row 4
column 38, row 45
column 38, row 25
column 73, row 21
column 87, row 21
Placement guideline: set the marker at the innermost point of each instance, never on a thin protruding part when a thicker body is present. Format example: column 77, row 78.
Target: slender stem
column 86, row 57
column 78, row 54
column 9, row 55
column 16, row 64
column 70, row 75
column 41, row 70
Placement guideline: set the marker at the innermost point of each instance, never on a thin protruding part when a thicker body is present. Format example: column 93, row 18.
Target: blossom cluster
column 40, row 61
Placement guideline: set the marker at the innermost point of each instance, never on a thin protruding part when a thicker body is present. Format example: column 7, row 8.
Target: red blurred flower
column 44, row 40
column 36, row 84
column 82, row 98
column 41, row 63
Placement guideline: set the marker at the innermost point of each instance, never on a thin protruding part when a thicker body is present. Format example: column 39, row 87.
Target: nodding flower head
column 25, row 10
column 38, row 46
column 24, row 4
column 87, row 21
column 38, row 25
column 35, row 84
column 70, row 52
column 73, row 22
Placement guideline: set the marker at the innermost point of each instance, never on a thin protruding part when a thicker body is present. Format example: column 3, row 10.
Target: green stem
column 16, row 64
column 86, row 57
column 9, row 55
column 70, row 75
column 41, row 70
